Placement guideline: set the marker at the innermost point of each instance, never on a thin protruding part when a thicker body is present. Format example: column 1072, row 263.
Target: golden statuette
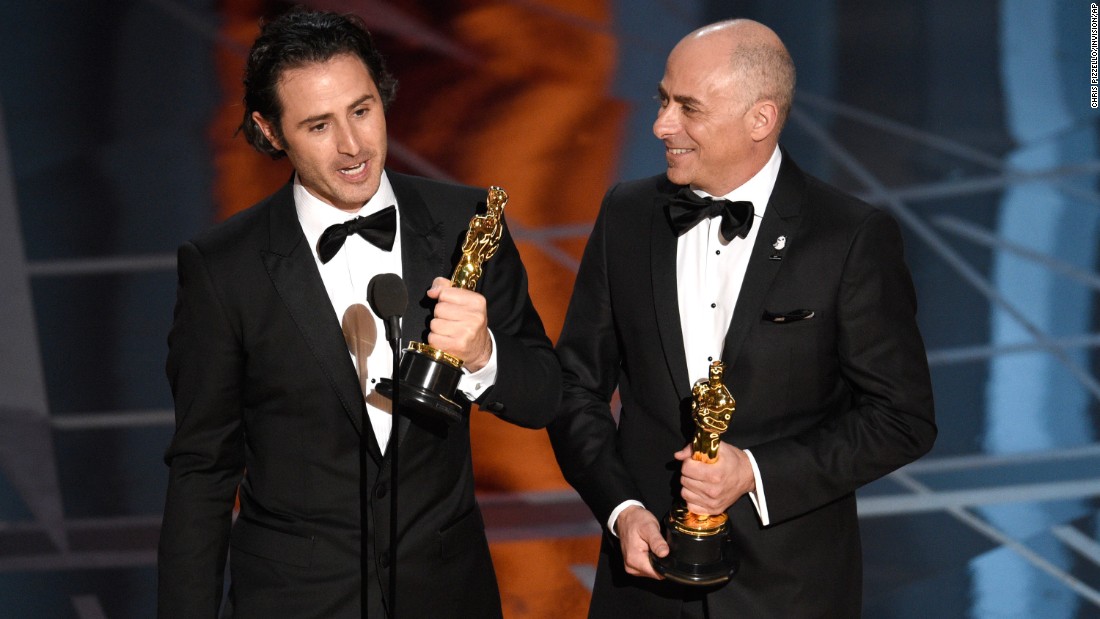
column 482, row 240
column 428, row 376
column 700, row 548
column 712, row 406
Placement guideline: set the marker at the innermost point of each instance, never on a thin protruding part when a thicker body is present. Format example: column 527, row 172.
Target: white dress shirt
column 709, row 274
column 346, row 278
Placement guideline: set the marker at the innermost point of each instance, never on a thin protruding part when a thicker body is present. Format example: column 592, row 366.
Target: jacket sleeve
column 528, row 384
column 585, row 435
column 206, row 455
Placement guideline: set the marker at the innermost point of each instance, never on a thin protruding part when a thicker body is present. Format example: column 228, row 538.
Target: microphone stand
column 395, row 346
column 388, row 298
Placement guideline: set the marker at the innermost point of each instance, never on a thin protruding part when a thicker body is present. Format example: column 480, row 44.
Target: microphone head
column 387, row 295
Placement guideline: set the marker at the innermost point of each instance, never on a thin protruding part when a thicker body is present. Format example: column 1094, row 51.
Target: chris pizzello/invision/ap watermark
column 1094, row 58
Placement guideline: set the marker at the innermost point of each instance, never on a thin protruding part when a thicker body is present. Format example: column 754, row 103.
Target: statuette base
column 428, row 386
column 697, row 559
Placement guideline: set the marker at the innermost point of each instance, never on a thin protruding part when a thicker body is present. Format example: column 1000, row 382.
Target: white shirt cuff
column 758, row 499
column 473, row 384
column 618, row 510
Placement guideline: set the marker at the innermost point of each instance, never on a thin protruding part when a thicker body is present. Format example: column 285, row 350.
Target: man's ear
column 764, row 119
column 268, row 130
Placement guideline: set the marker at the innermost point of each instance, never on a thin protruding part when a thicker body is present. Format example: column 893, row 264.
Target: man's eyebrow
column 361, row 100
column 327, row 116
column 314, row 119
column 687, row 100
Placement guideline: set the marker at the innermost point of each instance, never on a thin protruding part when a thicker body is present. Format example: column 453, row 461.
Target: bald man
column 802, row 291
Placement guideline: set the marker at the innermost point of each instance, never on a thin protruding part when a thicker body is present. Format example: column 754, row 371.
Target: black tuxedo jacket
column 822, row 355
column 264, row 386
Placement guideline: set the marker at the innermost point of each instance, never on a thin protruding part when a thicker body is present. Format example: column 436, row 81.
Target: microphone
column 388, row 298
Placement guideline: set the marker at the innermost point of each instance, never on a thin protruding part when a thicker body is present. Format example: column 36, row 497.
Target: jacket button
column 384, row 560
column 380, row 491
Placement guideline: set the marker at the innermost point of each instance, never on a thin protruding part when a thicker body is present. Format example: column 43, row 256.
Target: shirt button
column 710, row 358
column 718, row 252
column 713, row 305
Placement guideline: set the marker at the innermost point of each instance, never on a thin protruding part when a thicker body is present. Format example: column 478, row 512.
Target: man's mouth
column 353, row 170
column 678, row 151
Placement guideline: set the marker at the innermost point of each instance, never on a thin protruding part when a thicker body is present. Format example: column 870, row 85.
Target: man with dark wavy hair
column 274, row 359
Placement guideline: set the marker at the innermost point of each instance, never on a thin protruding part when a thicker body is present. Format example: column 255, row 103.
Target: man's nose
column 347, row 142
column 667, row 123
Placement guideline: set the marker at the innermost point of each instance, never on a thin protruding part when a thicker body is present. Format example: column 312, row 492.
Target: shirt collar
column 757, row 189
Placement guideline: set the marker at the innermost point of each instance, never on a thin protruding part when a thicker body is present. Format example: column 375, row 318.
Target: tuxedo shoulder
column 841, row 207
column 625, row 201
column 245, row 228
column 642, row 187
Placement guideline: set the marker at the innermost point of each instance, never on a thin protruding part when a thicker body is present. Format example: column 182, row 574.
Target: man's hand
column 712, row 488
column 639, row 533
column 460, row 324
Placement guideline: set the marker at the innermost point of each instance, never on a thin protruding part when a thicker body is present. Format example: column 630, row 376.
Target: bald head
column 724, row 96
column 760, row 66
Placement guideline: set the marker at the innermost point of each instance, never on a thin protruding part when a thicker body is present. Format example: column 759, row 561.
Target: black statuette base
column 427, row 387
column 696, row 560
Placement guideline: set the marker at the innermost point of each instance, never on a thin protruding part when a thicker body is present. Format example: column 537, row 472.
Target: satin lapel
column 665, row 296
column 782, row 218
column 423, row 258
column 293, row 271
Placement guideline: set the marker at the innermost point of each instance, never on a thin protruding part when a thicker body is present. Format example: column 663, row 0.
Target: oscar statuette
column 428, row 376
column 700, row 549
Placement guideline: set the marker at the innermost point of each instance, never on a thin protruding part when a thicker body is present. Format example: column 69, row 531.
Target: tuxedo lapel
column 666, row 296
column 293, row 272
column 423, row 258
column 781, row 219
column 423, row 255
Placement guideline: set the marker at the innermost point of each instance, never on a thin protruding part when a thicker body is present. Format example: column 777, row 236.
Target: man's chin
column 677, row 177
column 357, row 199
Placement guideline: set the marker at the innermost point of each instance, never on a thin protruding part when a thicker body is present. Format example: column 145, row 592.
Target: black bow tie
column 686, row 208
column 379, row 229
